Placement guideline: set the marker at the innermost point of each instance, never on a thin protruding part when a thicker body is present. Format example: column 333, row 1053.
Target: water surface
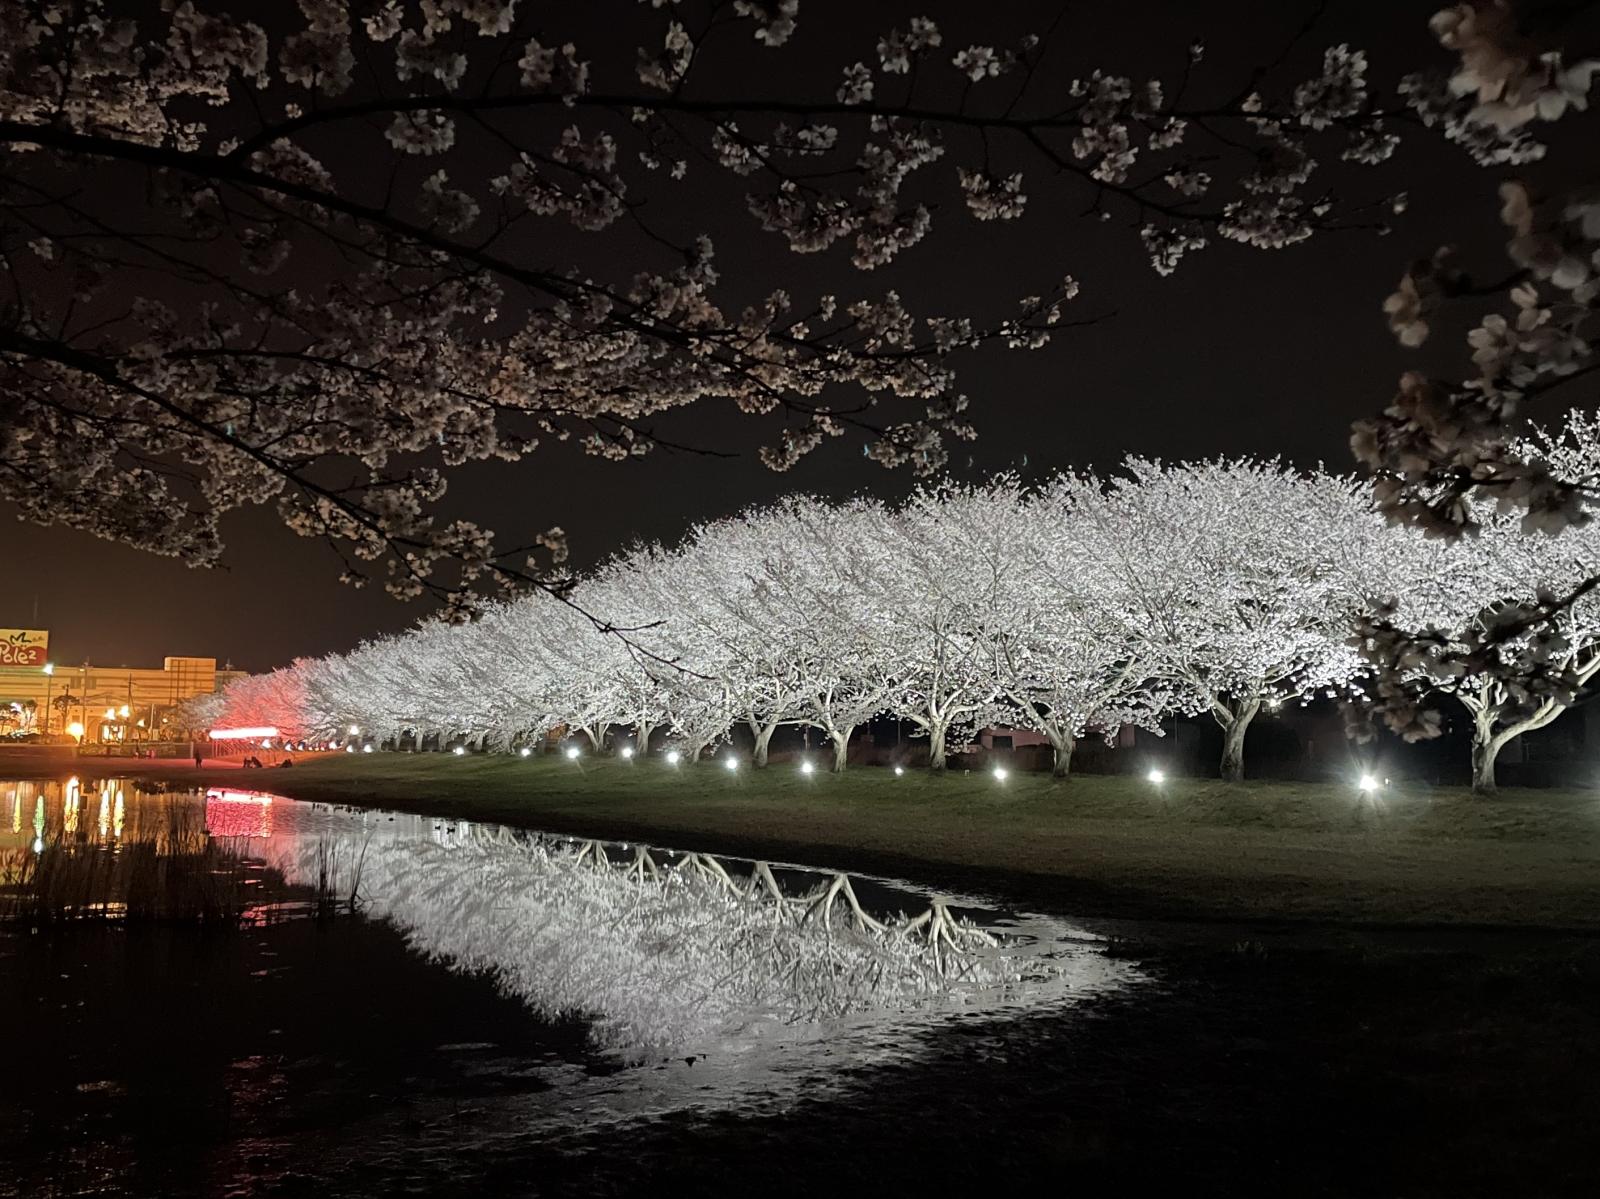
column 235, row 993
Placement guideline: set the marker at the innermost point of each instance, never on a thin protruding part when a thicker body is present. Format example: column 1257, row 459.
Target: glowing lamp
column 355, row 730
column 75, row 729
column 627, row 752
column 123, row 711
column 572, row 753
column 111, row 713
column 49, row 668
column 1156, row 777
column 806, row 768
column 672, row 757
column 350, row 749
column 524, row 752
column 731, row 763
column 899, row 770
column 1000, row 773
column 1368, row 784
column 366, row 749
column 459, row 750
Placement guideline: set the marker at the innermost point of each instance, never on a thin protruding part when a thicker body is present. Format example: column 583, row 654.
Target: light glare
column 805, row 767
column 572, row 753
column 1000, row 773
column 459, row 750
column 1156, row 777
column 1368, row 784
column 627, row 751
column 731, row 763
column 672, row 757
column 524, row 751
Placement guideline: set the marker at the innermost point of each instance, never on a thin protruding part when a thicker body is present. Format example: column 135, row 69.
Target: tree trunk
column 641, row 737
column 841, row 748
column 1233, row 731
column 1486, row 748
column 1061, row 763
column 936, row 732
column 758, row 757
column 596, row 738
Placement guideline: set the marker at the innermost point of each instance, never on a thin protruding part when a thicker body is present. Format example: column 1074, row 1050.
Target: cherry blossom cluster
column 316, row 262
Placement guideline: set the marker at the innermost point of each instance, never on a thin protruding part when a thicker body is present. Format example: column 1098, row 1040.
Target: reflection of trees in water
column 662, row 953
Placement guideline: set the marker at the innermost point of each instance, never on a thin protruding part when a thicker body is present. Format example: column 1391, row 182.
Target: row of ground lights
column 1367, row 784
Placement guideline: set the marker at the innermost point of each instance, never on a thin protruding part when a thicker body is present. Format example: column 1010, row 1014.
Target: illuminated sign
column 243, row 734
column 24, row 647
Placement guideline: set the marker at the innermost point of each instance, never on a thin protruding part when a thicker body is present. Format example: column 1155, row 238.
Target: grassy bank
column 1098, row 846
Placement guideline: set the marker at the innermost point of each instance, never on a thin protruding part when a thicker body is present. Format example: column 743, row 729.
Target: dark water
column 392, row 1053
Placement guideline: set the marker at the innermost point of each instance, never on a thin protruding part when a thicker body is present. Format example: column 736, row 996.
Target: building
column 112, row 703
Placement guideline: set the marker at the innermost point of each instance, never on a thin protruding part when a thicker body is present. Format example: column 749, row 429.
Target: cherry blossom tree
column 318, row 262
column 1237, row 594
column 1061, row 656
column 1460, row 592
column 1443, row 444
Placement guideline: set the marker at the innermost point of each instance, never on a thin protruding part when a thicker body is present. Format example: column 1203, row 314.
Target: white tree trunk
column 1061, row 746
column 936, row 736
column 1486, row 748
column 758, row 756
column 841, row 748
column 1235, row 720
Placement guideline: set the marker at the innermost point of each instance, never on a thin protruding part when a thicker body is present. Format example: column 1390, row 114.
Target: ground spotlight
column 1000, row 773
column 806, row 768
column 366, row 749
column 672, row 757
column 572, row 753
column 349, row 749
column 627, row 751
column 1156, row 777
column 731, row 763
column 524, row 752
column 459, row 750
column 899, row 770
column 1368, row 784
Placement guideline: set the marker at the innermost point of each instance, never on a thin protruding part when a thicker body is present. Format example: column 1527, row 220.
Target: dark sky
column 1241, row 352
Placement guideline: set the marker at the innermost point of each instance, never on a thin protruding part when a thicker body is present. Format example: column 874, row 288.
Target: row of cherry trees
column 1072, row 608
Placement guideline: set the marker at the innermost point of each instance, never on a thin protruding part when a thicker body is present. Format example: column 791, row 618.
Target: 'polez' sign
column 24, row 647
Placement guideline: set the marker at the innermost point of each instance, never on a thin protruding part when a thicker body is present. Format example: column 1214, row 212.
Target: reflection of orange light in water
column 105, row 813
column 16, row 813
column 116, row 816
column 238, row 813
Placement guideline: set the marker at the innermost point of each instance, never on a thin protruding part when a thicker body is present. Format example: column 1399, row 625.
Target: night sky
column 1241, row 352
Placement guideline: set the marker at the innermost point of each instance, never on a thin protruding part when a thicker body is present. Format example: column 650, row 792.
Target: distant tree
column 1463, row 592
column 1235, row 572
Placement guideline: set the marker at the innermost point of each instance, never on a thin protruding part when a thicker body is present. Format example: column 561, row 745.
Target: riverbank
column 1097, row 846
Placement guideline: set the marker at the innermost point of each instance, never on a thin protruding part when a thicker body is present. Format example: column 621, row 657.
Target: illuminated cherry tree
column 1458, row 593
column 1236, row 579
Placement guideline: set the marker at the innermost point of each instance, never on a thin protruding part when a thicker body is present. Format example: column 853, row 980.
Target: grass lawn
column 1095, row 845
